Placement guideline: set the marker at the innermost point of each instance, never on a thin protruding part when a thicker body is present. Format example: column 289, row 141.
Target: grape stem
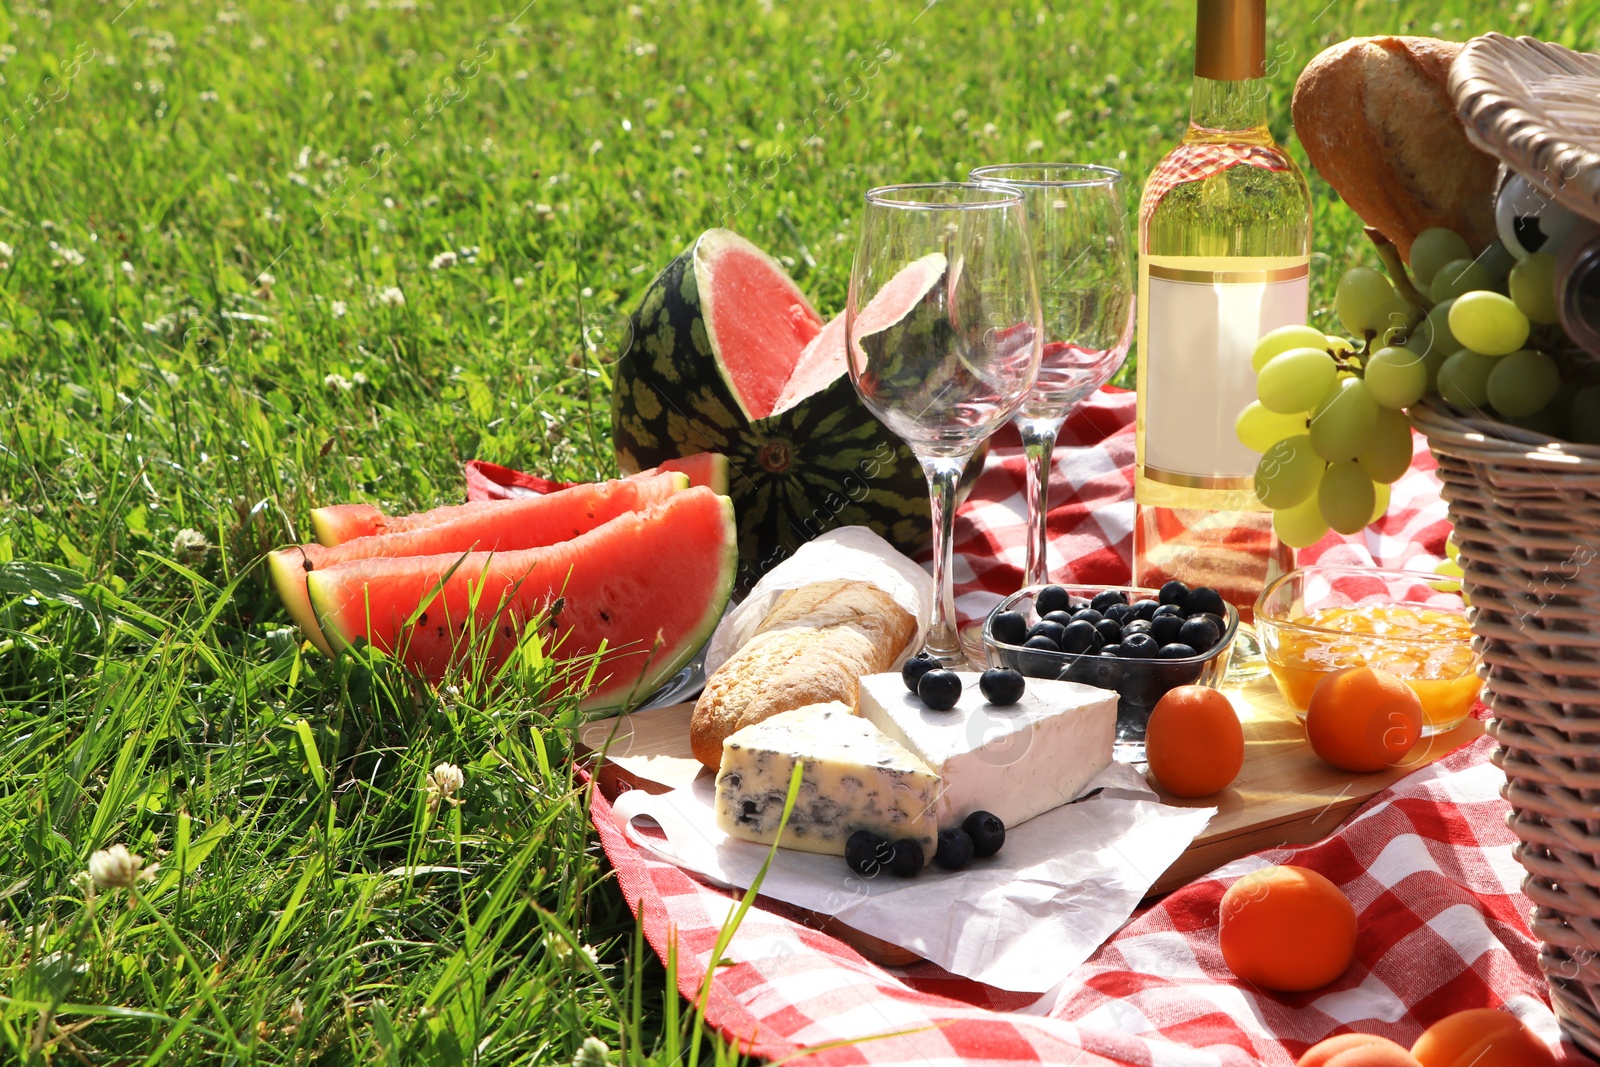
column 1397, row 269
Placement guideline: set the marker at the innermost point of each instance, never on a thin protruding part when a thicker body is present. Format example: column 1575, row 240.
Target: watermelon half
column 499, row 525
column 643, row 592
column 725, row 354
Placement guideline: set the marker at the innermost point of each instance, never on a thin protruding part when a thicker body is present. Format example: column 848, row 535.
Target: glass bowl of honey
column 1320, row 619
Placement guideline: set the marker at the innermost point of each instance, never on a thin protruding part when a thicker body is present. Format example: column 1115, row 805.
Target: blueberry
column 955, row 849
column 1174, row 592
column 1087, row 615
column 1168, row 609
column 1145, row 609
column 914, row 668
column 1001, row 685
column 1052, row 629
column 1165, row 628
column 1080, row 637
column 1119, row 612
column 866, row 852
column 1203, row 600
column 1139, row 687
column 1222, row 623
column 940, row 689
column 1137, row 626
column 988, row 833
column 1109, row 631
column 1139, row 646
column 1061, row 617
column 1106, row 671
column 1176, row 650
column 1112, row 650
column 1009, row 628
column 1077, row 603
column 1051, row 598
column 1082, row 669
column 907, row 859
column 1106, row 598
column 1200, row 632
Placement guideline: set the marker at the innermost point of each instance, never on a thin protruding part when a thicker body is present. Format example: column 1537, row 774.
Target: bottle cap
column 1230, row 40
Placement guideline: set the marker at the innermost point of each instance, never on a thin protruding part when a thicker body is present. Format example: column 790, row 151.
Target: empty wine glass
column 1076, row 227
column 944, row 338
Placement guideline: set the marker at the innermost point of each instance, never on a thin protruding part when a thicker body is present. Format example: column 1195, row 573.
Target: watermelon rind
column 503, row 524
column 824, row 462
column 341, row 595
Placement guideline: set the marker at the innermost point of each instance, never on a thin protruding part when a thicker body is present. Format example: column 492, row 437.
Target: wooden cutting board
column 1283, row 795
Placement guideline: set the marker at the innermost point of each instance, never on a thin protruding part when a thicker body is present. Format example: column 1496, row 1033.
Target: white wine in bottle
column 1224, row 257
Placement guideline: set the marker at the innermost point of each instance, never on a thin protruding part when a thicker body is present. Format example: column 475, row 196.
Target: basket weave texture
column 1527, row 522
column 1535, row 106
column 1527, row 518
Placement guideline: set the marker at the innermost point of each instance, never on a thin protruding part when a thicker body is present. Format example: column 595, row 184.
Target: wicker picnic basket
column 1527, row 520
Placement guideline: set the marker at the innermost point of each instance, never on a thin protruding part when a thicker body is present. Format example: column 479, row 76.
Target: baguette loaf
column 1376, row 119
column 814, row 646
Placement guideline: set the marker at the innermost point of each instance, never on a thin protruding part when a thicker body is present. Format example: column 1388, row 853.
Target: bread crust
column 814, row 646
column 1377, row 121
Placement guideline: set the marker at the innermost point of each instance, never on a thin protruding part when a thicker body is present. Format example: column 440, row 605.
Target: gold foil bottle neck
column 1230, row 40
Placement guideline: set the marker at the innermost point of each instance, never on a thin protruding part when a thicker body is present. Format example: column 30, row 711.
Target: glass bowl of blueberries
column 1138, row 642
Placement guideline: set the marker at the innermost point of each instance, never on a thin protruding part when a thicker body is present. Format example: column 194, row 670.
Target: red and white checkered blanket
column 1428, row 865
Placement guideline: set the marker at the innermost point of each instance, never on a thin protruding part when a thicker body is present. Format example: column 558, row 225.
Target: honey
column 1430, row 649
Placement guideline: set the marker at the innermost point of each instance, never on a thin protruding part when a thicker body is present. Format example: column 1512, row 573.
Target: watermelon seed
column 606, row 615
column 422, row 620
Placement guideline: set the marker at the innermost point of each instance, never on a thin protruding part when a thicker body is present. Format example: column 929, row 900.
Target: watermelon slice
column 490, row 481
column 644, row 591
column 338, row 523
column 487, row 527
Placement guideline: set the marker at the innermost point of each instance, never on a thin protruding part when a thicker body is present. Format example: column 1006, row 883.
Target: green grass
column 161, row 160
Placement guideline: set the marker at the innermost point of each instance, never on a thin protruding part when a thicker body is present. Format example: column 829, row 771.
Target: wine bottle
column 1224, row 257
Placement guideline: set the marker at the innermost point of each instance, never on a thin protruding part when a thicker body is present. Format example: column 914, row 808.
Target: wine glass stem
column 944, row 473
column 1038, row 445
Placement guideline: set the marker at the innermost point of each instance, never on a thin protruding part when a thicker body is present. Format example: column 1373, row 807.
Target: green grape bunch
column 1479, row 331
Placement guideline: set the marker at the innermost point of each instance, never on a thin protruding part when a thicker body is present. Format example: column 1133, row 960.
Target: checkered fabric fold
column 1193, row 162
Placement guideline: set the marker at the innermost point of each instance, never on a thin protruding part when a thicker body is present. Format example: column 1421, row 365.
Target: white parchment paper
column 1021, row 920
column 850, row 552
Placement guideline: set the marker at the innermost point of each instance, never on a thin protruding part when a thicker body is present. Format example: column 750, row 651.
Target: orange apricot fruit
column 1362, row 719
column 1194, row 743
column 1481, row 1037
column 1287, row 929
column 1357, row 1050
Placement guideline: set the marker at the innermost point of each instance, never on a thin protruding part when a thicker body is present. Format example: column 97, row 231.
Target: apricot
column 1287, row 929
column 1194, row 743
column 1481, row 1037
column 1357, row 1050
column 1362, row 719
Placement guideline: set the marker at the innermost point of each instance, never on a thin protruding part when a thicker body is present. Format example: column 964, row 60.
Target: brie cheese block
column 854, row 778
column 1016, row 761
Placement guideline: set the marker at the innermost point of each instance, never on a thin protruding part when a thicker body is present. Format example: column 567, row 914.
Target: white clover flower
column 1035, row 146
column 6, row 251
column 518, row 282
column 117, row 868
column 444, row 783
column 592, row 1053
column 339, row 309
column 70, row 256
column 444, row 259
column 127, row 268
column 339, row 382
column 392, row 296
column 208, row 96
column 189, row 545
column 388, row 202
column 265, row 280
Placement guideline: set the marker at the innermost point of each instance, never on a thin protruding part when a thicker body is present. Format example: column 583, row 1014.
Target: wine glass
column 944, row 334
column 1076, row 226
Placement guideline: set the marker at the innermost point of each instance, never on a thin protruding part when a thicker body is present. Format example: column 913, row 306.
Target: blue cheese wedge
column 855, row 778
column 1016, row 761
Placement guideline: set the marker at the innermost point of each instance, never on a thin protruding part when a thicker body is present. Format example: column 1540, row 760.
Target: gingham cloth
column 1428, row 865
column 1192, row 162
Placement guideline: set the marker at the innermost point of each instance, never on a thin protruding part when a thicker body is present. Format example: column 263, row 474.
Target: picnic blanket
column 1428, row 865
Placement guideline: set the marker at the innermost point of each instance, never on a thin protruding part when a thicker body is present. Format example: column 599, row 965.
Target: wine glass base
column 1248, row 661
column 972, row 644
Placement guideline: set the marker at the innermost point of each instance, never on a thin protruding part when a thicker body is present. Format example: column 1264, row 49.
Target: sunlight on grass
column 257, row 257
